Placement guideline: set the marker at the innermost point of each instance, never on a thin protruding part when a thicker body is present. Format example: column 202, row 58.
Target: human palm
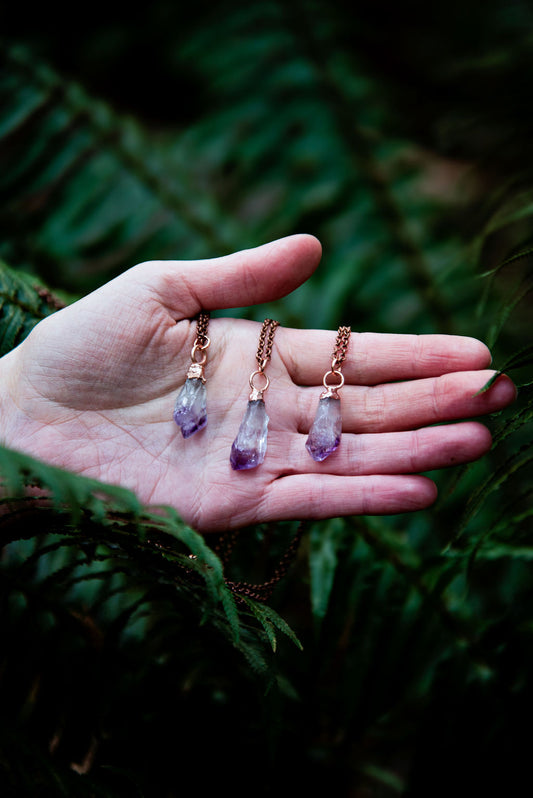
column 93, row 387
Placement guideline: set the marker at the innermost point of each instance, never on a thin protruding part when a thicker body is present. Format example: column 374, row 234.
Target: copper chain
column 200, row 347
column 341, row 347
column 263, row 590
column 202, row 323
column 266, row 341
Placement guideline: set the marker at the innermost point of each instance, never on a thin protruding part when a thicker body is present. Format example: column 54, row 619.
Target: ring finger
column 416, row 403
column 406, row 452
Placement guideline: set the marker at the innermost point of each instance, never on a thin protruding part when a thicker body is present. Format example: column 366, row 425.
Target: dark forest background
column 394, row 657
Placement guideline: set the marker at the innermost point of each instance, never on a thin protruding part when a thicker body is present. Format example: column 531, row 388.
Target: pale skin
column 92, row 390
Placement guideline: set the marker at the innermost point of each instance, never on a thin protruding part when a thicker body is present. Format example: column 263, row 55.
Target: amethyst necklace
column 190, row 411
column 325, row 434
column 249, row 447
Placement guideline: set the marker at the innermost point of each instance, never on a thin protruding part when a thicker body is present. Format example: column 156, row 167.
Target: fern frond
column 517, row 461
column 520, row 359
column 85, row 186
column 66, row 490
column 511, row 259
column 23, row 304
column 113, row 516
column 325, row 541
column 508, row 305
column 270, row 621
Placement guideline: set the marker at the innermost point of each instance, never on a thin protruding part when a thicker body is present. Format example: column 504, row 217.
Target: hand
column 92, row 389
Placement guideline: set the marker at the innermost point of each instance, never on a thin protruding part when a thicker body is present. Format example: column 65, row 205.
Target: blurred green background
column 399, row 135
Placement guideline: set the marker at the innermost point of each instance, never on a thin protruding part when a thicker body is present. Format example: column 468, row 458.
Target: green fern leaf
column 520, row 359
column 88, row 185
column 270, row 621
column 22, row 306
column 518, row 460
column 324, row 543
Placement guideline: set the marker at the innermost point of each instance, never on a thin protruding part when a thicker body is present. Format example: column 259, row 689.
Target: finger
column 373, row 358
column 406, row 452
column 325, row 496
column 249, row 277
column 416, row 403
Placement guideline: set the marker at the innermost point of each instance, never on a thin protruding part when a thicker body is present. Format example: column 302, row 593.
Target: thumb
column 248, row 277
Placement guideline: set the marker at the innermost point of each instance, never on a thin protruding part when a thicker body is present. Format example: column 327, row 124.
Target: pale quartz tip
column 190, row 413
column 249, row 447
column 325, row 434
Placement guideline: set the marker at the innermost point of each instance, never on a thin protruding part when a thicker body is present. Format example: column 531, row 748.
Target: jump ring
column 333, row 387
column 254, row 387
column 200, row 348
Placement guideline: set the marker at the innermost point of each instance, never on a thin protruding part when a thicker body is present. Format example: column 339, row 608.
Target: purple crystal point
column 325, row 434
column 190, row 409
column 249, row 447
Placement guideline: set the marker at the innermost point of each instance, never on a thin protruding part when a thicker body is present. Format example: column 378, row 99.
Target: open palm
column 92, row 389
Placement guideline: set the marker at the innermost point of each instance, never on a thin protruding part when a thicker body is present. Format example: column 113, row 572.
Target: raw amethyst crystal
column 190, row 409
column 249, row 447
column 325, row 434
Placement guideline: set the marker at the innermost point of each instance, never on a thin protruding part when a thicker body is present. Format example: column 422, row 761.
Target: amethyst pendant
column 249, row 447
column 190, row 411
column 325, row 434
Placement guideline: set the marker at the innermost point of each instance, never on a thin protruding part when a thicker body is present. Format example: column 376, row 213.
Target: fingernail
column 502, row 391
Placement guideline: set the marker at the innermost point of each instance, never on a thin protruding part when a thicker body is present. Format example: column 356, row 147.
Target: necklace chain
column 266, row 341
column 341, row 347
column 262, row 592
column 202, row 323
column 200, row 346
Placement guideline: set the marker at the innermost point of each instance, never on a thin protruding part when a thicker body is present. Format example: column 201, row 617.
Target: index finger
column 374, row 358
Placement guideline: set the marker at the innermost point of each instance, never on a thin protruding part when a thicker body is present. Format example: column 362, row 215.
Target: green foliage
column 93, row 513
column 395, row 658
column 102, row 596
column 22, row 306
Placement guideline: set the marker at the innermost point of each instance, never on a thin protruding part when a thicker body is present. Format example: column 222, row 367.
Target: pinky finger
column 319, row 496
